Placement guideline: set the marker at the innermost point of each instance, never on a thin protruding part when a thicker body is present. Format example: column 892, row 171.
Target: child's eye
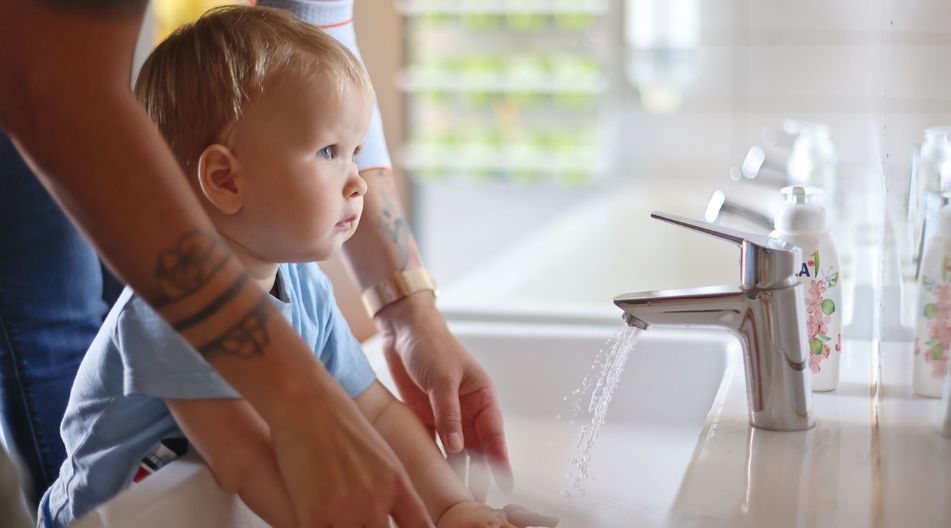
column 327, row 152
column 356, row 151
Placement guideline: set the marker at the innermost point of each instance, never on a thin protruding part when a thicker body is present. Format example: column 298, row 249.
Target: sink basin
column 652, row 426
column 638, row 462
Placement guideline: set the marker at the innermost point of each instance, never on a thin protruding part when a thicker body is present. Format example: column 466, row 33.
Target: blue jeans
column 51, row 306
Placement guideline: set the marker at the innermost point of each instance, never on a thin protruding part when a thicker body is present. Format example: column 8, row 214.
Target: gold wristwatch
column 396, row 286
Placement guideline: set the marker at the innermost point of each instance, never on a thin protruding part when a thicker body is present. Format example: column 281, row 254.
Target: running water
column 603, row 375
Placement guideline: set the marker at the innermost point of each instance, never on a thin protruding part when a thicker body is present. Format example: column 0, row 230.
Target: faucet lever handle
column 764, row 261
column 733, row 235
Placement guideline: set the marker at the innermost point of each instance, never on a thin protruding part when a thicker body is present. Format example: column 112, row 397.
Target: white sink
column 637, row 464
column 653, row 423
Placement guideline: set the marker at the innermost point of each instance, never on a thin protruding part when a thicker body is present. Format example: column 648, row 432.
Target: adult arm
column 66, row 103
column 437, row 377
column 236, row 444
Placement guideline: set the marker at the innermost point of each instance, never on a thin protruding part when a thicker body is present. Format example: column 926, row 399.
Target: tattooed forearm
column 100, row 7
column 214, row 305
column 193, row 263
column 395, row 227
column 184, row 269
column 245, row 339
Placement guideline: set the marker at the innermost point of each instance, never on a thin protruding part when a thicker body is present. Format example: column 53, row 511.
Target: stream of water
column 589, row 403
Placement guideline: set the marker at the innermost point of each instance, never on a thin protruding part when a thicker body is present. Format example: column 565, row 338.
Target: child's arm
column 448, row 500
column 236, row 443
column 433, row 478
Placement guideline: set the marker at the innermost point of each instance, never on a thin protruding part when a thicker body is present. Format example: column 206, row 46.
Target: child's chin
column 324, row 253
column 312, row 254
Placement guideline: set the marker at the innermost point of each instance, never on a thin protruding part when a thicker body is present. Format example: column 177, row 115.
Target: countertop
column 874, row 457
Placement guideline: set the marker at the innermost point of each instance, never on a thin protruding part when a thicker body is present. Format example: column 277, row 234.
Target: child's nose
column 356, row 185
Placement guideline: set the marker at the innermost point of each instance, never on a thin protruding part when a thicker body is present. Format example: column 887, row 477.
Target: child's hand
column 472, row 514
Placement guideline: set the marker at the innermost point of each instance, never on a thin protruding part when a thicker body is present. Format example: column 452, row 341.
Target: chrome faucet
column 766, row 313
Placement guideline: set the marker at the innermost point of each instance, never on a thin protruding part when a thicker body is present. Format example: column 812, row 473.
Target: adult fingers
column 445, row 402
column 490, row 430
column 459, row 462
column 479, row 479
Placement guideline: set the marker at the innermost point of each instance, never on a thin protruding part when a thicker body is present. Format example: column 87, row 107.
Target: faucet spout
column 766, row 312
column 769, row 324
column 712, row 307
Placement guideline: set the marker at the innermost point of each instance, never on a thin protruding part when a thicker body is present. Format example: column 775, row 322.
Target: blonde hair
column 197, row 82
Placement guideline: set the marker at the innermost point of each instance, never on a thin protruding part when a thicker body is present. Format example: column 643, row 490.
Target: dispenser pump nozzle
column 802, row 194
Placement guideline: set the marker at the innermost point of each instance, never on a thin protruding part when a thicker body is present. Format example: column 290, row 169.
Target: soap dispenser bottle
column 803, row 222
column 933, row 328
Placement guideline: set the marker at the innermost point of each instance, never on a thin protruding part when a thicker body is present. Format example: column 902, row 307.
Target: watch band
column 396, row 286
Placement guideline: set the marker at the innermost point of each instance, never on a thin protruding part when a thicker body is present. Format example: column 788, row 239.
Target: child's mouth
column 348, row 222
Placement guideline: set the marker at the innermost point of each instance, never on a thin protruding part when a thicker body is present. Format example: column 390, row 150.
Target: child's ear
column 218, row 178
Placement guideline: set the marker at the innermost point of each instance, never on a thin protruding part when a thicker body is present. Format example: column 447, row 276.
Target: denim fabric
column 51, row 306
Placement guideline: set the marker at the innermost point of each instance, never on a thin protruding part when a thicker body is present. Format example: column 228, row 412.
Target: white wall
column 875, row 71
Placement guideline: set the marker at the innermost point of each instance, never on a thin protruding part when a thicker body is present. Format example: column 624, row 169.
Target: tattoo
column 394, row 225
column 183, row 270
column 245, row 339
column 214, row 305
column 98, row 7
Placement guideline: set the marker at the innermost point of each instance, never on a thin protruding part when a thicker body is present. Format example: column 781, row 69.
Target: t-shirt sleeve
column 338, row 349
column 158, row 362
column 349, row 365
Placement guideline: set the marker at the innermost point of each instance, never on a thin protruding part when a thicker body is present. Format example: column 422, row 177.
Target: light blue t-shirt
column 117, row 412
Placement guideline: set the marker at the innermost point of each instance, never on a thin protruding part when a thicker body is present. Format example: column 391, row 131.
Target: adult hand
column 339, row 471
column 445, row 387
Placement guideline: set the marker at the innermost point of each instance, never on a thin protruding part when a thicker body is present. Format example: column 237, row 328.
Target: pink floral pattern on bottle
column 938, row 315
column 820, row 308
column 819, row 311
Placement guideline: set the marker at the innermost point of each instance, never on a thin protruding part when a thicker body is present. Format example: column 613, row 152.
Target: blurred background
column 503, row 117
